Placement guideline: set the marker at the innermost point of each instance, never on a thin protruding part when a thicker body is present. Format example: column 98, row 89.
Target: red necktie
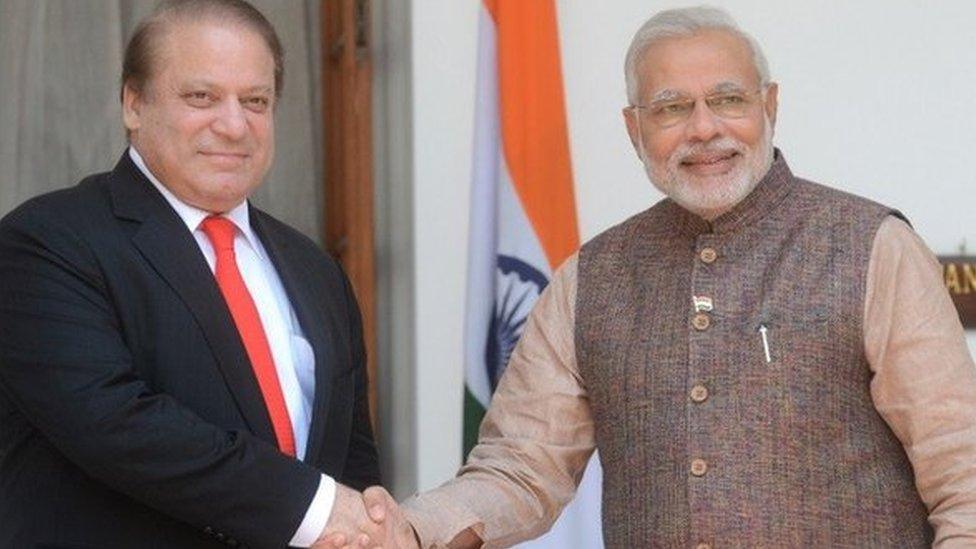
column 220, row 231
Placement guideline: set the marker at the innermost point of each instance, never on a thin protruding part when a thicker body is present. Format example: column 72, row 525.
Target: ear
column 131, row 108
column 630, row 119
column 772, row 93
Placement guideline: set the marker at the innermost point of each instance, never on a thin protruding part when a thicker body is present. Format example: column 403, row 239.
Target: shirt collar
column 191, row 215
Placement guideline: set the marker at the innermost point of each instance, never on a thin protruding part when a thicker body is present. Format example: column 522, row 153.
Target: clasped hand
column 371, row 519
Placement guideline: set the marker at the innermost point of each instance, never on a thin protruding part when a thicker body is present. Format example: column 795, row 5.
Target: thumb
column 375, row 499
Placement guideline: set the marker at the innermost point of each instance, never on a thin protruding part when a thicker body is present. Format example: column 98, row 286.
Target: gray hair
column 684, row 22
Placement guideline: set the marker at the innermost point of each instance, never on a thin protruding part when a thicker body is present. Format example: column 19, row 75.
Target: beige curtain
column 60, row 62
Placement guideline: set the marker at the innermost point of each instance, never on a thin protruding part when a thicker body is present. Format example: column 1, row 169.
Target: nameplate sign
column 959, row 273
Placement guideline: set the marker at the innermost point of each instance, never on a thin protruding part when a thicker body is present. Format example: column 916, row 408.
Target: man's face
column 706, row 163
column 204, row 122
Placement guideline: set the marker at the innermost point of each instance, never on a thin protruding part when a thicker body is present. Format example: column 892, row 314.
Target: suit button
column 701, row 322
column 219, row 536
column 208, row 530
column 699, row 467
column 232, row 542
column 708, row 255
column 699, row 393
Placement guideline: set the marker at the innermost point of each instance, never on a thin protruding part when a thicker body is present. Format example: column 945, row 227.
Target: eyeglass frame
column 761, row 91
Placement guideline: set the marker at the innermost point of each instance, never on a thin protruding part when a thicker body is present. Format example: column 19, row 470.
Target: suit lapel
column 318, row 321
column 170, row 248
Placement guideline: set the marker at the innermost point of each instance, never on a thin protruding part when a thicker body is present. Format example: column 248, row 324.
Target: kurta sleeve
column 924, row 382
column 534, row 442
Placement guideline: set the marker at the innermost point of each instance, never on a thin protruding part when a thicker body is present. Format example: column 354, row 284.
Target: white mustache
column 721, row 145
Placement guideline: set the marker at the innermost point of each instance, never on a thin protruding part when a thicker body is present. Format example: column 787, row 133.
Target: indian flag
column 523, row 215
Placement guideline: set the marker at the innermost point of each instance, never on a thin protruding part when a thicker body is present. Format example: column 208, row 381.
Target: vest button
column 699, row 467
column 701, row 322
column 699, row 393
column 708, row 255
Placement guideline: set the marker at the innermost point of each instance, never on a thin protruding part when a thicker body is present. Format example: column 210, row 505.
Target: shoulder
column 819, row 197
column 67, row 214
column 640, row 225
column 58, row 232
column 896, row 241
column 299, row 248
column 68, row 203
column 284, row 233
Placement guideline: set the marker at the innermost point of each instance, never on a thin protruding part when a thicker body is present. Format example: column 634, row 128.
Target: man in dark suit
column 177, row 367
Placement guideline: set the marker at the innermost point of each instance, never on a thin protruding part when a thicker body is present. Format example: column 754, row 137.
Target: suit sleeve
column 65, row 367
column 362, row 463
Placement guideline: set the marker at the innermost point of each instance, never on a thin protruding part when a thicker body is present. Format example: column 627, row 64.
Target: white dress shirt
column 293, row 356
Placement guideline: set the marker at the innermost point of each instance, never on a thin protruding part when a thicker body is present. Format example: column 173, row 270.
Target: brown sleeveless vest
column 704, row 441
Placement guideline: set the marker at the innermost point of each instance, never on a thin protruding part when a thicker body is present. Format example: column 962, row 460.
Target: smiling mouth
column 225, row 160
column 218, row 154
column 709, row 159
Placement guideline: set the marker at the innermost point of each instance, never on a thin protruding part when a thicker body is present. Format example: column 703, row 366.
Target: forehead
column 225, row 53
column 696, row 64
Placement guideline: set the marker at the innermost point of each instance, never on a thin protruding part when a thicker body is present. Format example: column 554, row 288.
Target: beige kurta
column 538, row 433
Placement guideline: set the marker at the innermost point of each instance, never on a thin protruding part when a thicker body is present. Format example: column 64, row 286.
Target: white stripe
column 499, row 225
column 482, row 238
column 515, row 234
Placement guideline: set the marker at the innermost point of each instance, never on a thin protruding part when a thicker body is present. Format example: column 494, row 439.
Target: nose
column 231, row 121
column 703, row 124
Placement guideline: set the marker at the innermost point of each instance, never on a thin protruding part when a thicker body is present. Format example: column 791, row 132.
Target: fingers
column 381, row 506
column 338, row 541
column 377, row 501
column 331, row 541
column 369, row 534
column 377, row 513
column 349, row 524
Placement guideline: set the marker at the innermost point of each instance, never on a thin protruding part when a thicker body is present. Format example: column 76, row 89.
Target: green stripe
column 473, row 413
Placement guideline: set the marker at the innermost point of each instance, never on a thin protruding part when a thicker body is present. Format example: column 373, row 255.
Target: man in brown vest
column 761, row 360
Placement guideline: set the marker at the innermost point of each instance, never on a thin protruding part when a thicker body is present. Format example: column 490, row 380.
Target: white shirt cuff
column 317, row 515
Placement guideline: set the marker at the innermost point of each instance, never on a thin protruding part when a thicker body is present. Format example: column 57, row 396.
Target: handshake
column 371, row 519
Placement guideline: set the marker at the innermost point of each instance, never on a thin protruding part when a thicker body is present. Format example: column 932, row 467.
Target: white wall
column 875, row 98
column 444, row 35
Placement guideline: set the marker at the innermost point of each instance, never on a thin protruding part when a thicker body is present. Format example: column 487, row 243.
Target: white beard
column 715, row 198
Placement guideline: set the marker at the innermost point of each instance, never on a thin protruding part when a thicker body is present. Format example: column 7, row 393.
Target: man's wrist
column 317, row 515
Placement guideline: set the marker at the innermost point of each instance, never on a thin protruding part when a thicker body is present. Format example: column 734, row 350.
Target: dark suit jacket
column 129, row 414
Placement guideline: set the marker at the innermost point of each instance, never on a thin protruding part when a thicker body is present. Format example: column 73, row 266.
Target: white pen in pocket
column 763, row 331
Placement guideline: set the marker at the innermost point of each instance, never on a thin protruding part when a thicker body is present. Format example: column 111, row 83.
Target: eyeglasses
column 667, row 113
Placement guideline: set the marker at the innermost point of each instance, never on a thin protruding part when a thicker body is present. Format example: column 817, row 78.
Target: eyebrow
column 725, row 87
column 261, row 89
column 672, row 95
column 193, row 84
column 667, row 95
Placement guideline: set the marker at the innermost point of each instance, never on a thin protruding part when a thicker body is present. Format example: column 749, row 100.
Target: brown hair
column 141, row 51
